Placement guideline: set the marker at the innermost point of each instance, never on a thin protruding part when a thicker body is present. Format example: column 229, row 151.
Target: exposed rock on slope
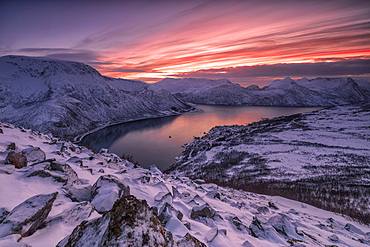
column 286, row 92
column 129, row 220
column 322, row 158
column 157, row 210
column 69, row 98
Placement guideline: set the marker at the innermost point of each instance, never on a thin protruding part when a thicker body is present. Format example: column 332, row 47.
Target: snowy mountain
column 321, row 158
column 69, row 98
column 55, row 193
column 286, row 92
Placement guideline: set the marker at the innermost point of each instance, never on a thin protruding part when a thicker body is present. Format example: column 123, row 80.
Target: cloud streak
column 155, row 39
column 347, row 67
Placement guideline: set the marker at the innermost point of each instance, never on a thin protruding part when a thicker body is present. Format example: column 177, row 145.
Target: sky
column 246, row 41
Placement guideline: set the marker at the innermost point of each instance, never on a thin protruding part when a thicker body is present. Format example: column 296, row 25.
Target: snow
column 299, row 220
column 69, row 99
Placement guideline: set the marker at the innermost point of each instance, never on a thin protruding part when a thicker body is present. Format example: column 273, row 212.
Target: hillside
column 55, row 193
column 321, row 158
column 68, row 99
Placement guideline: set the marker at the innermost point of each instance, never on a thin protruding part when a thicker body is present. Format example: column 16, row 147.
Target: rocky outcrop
column 190, row 241
column 60, row 172
column 202, row 211
column 131, row 222
column 28, row 216
column 19, row 160
column 34, row 154
column 106, row 190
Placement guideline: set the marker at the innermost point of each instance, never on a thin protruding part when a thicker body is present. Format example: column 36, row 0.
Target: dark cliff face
column 321, row 158
column 69, row 98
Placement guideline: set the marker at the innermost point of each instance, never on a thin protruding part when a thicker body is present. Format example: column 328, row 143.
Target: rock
column 238, row 224
column 131, row 222
column 11, row 146
column 34, row 154
column 60, row 172
column 211, row 234
column 3, row 214
column 256, row 228
column 71, row 175
column 74, row 216
column 351, row 228
column 190, row 241
column 175, row 193
column 19, row 160
column 247, row 244
column 263, row 210
column 202, row 211
column 154, row 169
column 1, row 131
column 334, row 238
column 282, row 225
column 78, row 193
column 106, row 190
column 167, row 212
column 272, row 205
column 28, row 216
column 7, row 169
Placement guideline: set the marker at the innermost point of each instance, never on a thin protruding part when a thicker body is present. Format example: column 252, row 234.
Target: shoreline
column 79, row 138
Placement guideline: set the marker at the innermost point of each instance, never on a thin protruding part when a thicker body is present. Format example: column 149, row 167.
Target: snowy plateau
column 286, row 92
column 55, row 193
column 68, row 99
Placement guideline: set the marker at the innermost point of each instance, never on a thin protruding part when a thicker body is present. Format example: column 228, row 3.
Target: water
column 158, row 141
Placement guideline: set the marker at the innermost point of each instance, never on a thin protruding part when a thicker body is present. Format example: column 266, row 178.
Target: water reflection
column 158, row 141
column 105, row 137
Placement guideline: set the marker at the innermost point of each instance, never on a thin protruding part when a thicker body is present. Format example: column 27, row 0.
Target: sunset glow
column 150, row 40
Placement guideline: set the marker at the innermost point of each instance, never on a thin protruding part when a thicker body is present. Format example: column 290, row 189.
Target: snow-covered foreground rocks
column 322, row 158
column 68, row 99
column 59, row 201
column 286, row 92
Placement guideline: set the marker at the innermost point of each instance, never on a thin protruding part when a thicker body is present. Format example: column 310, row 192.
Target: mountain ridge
column 285, row 92
column 68, row 98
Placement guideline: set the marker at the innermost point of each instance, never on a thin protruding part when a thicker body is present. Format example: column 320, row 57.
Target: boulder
column 11, row 146
column 60, row 172
column 190, row 241
column 19, row 160
column 106, row 190
column 74, row 216
column 256, row 229
column 78, row 193
column 34, row 154
column 131, row 222
column 28, row 216
column 202, row 211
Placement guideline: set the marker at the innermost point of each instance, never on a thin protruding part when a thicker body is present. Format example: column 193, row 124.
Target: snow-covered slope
column 286, row 92
column 322, row 158
column 69, row 98
column 66, row 195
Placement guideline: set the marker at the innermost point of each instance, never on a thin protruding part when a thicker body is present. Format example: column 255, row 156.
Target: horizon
column 247, row 42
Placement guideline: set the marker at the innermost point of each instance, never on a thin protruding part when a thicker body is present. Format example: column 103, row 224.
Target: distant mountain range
column 286, row 92
column 68, row 99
